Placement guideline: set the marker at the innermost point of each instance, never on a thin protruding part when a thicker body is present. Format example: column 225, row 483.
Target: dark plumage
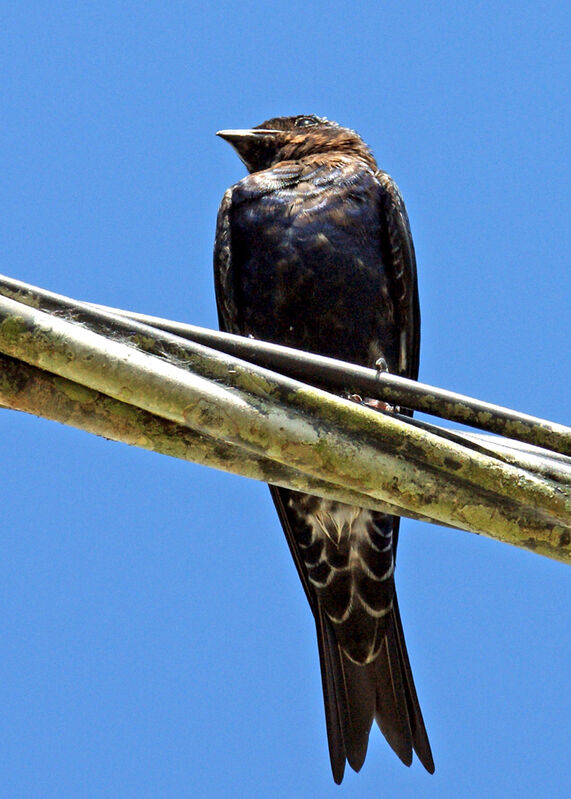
column 313, row 250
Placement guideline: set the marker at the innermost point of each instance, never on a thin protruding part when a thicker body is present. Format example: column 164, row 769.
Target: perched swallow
column 313, row 250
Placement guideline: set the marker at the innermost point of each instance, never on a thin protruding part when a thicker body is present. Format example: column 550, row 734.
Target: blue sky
column 155, row 640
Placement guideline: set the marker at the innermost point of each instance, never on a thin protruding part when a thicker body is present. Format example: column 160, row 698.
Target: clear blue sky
column 154, row 640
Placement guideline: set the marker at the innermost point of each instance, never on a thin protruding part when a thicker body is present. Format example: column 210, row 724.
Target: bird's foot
column 369, row 402
column 379, row 405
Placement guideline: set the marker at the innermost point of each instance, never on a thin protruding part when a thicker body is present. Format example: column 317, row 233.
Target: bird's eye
column 304, row 122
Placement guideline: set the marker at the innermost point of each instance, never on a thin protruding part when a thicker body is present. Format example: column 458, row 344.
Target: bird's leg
column 376, row 404
column 382, row 366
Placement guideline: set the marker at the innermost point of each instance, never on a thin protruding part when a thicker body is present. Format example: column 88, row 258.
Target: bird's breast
column 308, row 263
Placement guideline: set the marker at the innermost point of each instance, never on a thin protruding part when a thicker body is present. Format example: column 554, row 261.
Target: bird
column 313, row 250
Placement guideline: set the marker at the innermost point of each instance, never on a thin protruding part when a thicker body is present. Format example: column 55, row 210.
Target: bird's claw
column 369, row 402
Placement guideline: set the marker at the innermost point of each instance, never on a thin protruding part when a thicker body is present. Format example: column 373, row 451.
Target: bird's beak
column 234, row 136
column 251, row 145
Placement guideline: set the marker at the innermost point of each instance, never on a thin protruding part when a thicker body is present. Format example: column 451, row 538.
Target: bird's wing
column 228, row 300
column 398, row 250
column 226, row 303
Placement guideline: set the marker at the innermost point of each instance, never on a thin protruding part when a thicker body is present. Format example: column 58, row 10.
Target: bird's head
column 292, row 138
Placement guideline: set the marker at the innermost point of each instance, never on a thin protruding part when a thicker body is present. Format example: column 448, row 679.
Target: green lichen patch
column 145, row 343
column 12, row 329
column 74, row 391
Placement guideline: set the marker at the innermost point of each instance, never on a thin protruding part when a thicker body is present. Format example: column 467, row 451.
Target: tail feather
column 420, row 741
column 391, row 711
column 358, row 680
column 384, row 690
column 354, row 695
column 334, row 697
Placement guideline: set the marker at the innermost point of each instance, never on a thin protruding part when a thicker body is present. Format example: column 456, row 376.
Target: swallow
column 313, row 250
